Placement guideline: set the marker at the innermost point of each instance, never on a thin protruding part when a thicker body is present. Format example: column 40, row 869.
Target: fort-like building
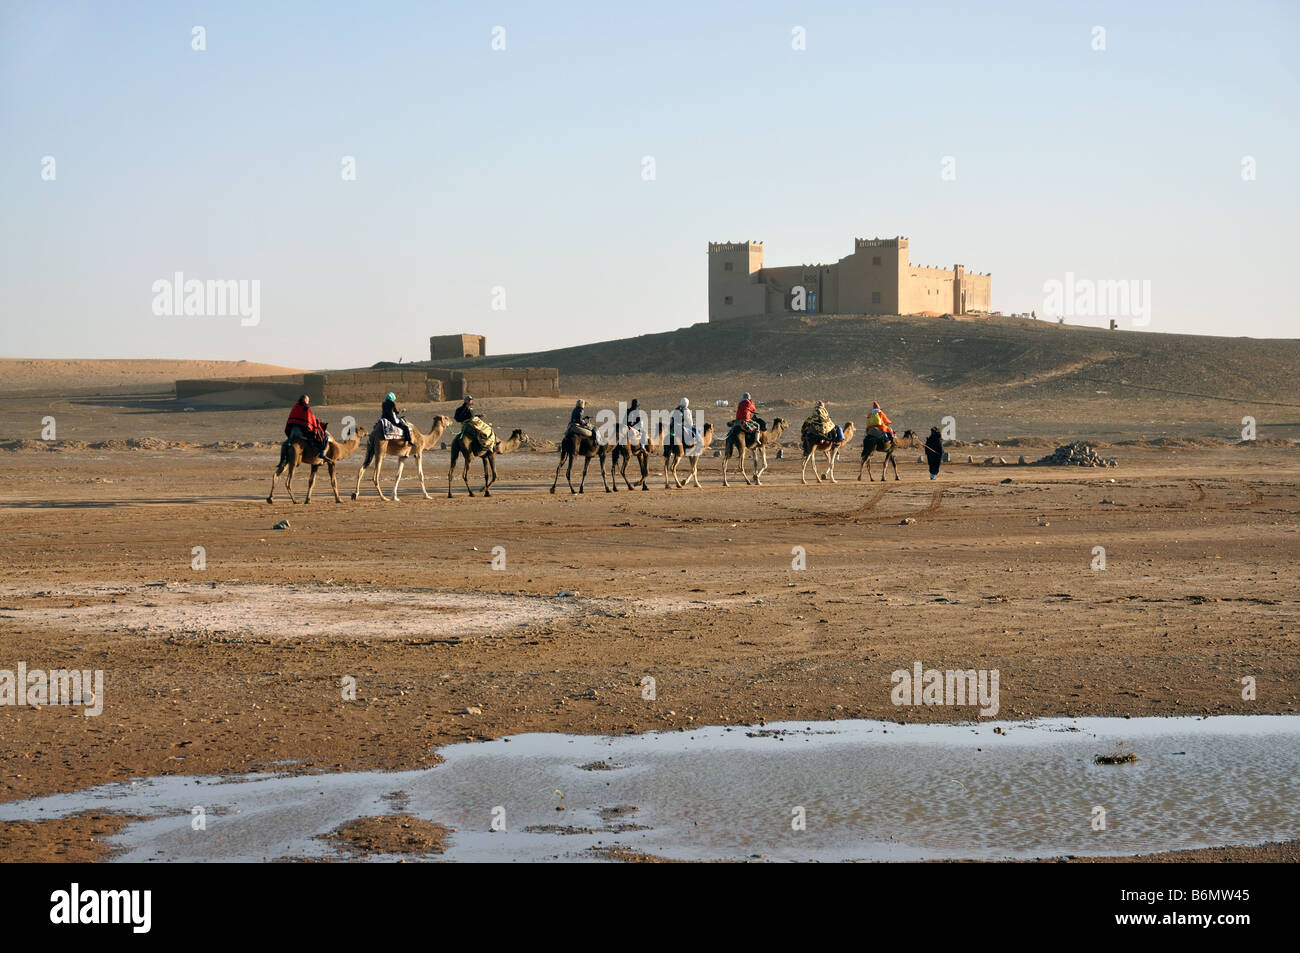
column 876, row 279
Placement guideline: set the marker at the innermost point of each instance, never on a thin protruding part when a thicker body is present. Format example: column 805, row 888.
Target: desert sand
column 235, row 666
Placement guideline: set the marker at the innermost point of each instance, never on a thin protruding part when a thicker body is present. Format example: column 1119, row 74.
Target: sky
column 551, row 174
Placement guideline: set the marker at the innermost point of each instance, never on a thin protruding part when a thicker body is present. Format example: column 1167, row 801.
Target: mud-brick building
column 447, row 347
column 878, row 278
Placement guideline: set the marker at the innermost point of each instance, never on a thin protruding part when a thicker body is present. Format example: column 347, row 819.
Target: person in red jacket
column 745, row 411
column 304, row 425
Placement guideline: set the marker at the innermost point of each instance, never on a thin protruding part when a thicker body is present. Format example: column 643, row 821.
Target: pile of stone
column 1077, row 454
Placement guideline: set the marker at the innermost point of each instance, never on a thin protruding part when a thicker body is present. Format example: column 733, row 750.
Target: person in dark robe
column 934, row 451
column 393, row 415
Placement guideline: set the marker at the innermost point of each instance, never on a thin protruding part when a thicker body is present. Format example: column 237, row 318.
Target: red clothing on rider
column 744, row 410
column 302, row 416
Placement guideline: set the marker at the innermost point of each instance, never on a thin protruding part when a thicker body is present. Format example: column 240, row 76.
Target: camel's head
column 909, row 434
column 849, row 431
column 519, row 435
column 440, row 421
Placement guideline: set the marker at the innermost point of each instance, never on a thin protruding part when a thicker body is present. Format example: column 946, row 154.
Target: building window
column 875, row 259
column 875, row 297
column 727, row 300
column 726, row 266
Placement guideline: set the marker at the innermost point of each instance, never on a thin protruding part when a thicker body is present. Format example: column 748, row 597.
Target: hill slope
column 1000, row 356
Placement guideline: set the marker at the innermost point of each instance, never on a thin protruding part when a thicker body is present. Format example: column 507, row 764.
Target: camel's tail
column 370, row 453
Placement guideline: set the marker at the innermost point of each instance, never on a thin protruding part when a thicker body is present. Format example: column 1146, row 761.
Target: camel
column 751, row 443
column 811, row 447
column 378, row 447
column 625, row 451
column 877, row 440
column 572, row 447
column 673, row 452
column 465, row 445
column 295, row 453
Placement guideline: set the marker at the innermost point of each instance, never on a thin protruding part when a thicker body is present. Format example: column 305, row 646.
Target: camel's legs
column 726, row 458
column 401, row 465
column 803, row 471
column 556, row 481
column 602, row 474
column 334, row 483
column 362, row 472
column 288, row 481
column 276, row 479
column 379, row 463
column 582, row 482
column 487, row 477
column 455, row 448
column 419, row 466
column 758, row 473
column 311, row 481
column 666, row 459
column 464, row 473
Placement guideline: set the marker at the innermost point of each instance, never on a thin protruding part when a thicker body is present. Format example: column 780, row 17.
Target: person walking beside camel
column 933, row 452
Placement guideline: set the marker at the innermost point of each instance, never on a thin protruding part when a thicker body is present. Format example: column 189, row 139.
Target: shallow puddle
column 868, row 790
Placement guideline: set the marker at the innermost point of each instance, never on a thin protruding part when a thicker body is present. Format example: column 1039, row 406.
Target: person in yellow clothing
column 878, row 419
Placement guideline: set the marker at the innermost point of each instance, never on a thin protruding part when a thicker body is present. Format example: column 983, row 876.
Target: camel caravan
column 630, row 434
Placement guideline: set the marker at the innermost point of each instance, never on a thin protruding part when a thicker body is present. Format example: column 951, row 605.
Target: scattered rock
column 906, row 521
column 1077, row 454
column 283, row 524
column 472, row 710
column 1007, row 480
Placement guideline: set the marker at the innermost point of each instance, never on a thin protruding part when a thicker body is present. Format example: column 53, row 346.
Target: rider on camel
column 745, row 411
column 819, row 423
column 393, row 415
column 879, row 420
column 304, row 425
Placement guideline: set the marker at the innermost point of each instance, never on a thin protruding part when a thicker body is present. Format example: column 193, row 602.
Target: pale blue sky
column 522, row 168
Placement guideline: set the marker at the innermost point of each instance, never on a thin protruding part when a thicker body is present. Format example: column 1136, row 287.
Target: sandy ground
column 237, row 666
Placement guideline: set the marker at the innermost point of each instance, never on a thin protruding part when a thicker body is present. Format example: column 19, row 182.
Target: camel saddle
column 389, row 430
column 480, row 431
column 876, row 433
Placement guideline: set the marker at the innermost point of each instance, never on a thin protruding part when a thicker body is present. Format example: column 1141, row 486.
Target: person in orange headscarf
column 878, row 419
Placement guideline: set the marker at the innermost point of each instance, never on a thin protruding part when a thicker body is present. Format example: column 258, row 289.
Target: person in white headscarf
column 680, row 429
